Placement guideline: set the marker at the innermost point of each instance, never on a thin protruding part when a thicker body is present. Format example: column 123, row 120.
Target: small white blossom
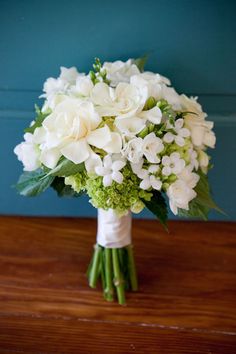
column 28, row 153
column 152, row 146
column 149, row 176
column 181, row 133
column 83, row 86
column 172, row 164
column 110, row 170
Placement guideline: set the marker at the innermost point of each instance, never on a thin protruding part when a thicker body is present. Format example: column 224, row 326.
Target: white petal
column 107, row 180
column 153, row 168
column 145, row 184
column 175, row 156
column 131, row 125
column 100, row 137
column 173, row 207
column 152, row 157
column 156, row 183
column 168, row 138
column 143, row 174
column 107, row 161
column 50, row 157
column 117, row 176
column 101, row 94
column 166, row 160
column 102, row 171
column 118, row 165
column 184, row 132
column 154, row 115
column 77, row 151
column 166, row 171
column 92, row 162
column 114, row 146
column 179, row 140
column 179, row 123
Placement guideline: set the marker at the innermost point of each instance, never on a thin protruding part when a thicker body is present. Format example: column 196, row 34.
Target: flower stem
column 95, row 267
column 132, row 268
column 109, row 290
column 118, row 278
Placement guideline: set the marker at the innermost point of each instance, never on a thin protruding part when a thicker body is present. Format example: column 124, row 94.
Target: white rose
column 28, row 153
column 201, row 130
column 70, row 130
column 120, row 71
column 180, row 194
column 123, row 101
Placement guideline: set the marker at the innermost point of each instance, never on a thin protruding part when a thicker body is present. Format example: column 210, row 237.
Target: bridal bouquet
column 126, row 138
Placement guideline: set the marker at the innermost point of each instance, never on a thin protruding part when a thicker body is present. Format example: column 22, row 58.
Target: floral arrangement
column 126, row 138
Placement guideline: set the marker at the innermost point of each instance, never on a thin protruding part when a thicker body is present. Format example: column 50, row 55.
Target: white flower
column 28, row 153
column 172, row 164
column 182, row 133
column 133, row 150
column 171, row 96
column 180, row 194
column 149, row 176
column 68, row 75
column 123, row 101
column 110, row 170
column 203, row 159
column 152, row 82
column 120, row 71
column 201, row 130
column 71, row 129
column 152, row 146
column 83, row 86
column 193, row 159
column 189, row 177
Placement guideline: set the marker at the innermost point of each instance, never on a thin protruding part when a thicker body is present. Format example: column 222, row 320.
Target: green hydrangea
column 120, row 197
column 77, row 181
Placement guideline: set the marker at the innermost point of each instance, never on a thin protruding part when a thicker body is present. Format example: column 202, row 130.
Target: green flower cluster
column 120, row 197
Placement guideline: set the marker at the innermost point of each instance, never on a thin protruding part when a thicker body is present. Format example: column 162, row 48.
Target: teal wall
column 191, row 42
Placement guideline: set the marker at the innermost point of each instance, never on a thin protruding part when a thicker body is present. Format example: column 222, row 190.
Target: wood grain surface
column 186, row 301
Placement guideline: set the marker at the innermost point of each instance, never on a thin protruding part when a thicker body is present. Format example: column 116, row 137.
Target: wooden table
column 186, row 301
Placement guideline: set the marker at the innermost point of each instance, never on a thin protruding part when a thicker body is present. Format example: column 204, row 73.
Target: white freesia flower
column 28, row 153
column 110, row 170
column 120, row 71
column 123, row 101
column 83, row 86
column 152, row 82
column 201, row 130
column 68, row 75
column 152, row 146
column 172, row 164
column 180, row 194
column 133, row 150
column 71, row 129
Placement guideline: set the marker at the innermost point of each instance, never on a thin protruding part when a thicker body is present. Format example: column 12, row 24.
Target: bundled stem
column 116, row 268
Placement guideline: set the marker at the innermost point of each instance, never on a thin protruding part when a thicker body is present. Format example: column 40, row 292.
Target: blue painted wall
column 191, row 42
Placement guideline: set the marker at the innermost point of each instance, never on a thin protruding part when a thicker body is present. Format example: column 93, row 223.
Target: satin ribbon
column 113, row 231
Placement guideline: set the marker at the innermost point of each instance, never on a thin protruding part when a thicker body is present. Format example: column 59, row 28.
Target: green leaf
column 40, row 116
column 157, row 205
column 200, row 206
column 62, row 189
column 33, row 183
column 66, row 168
column 141, row 62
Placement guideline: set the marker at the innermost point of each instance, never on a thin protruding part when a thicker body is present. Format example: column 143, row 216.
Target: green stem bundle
column 116, row 269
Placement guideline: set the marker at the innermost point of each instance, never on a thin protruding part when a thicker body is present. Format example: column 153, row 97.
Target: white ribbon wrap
column 113, row 231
